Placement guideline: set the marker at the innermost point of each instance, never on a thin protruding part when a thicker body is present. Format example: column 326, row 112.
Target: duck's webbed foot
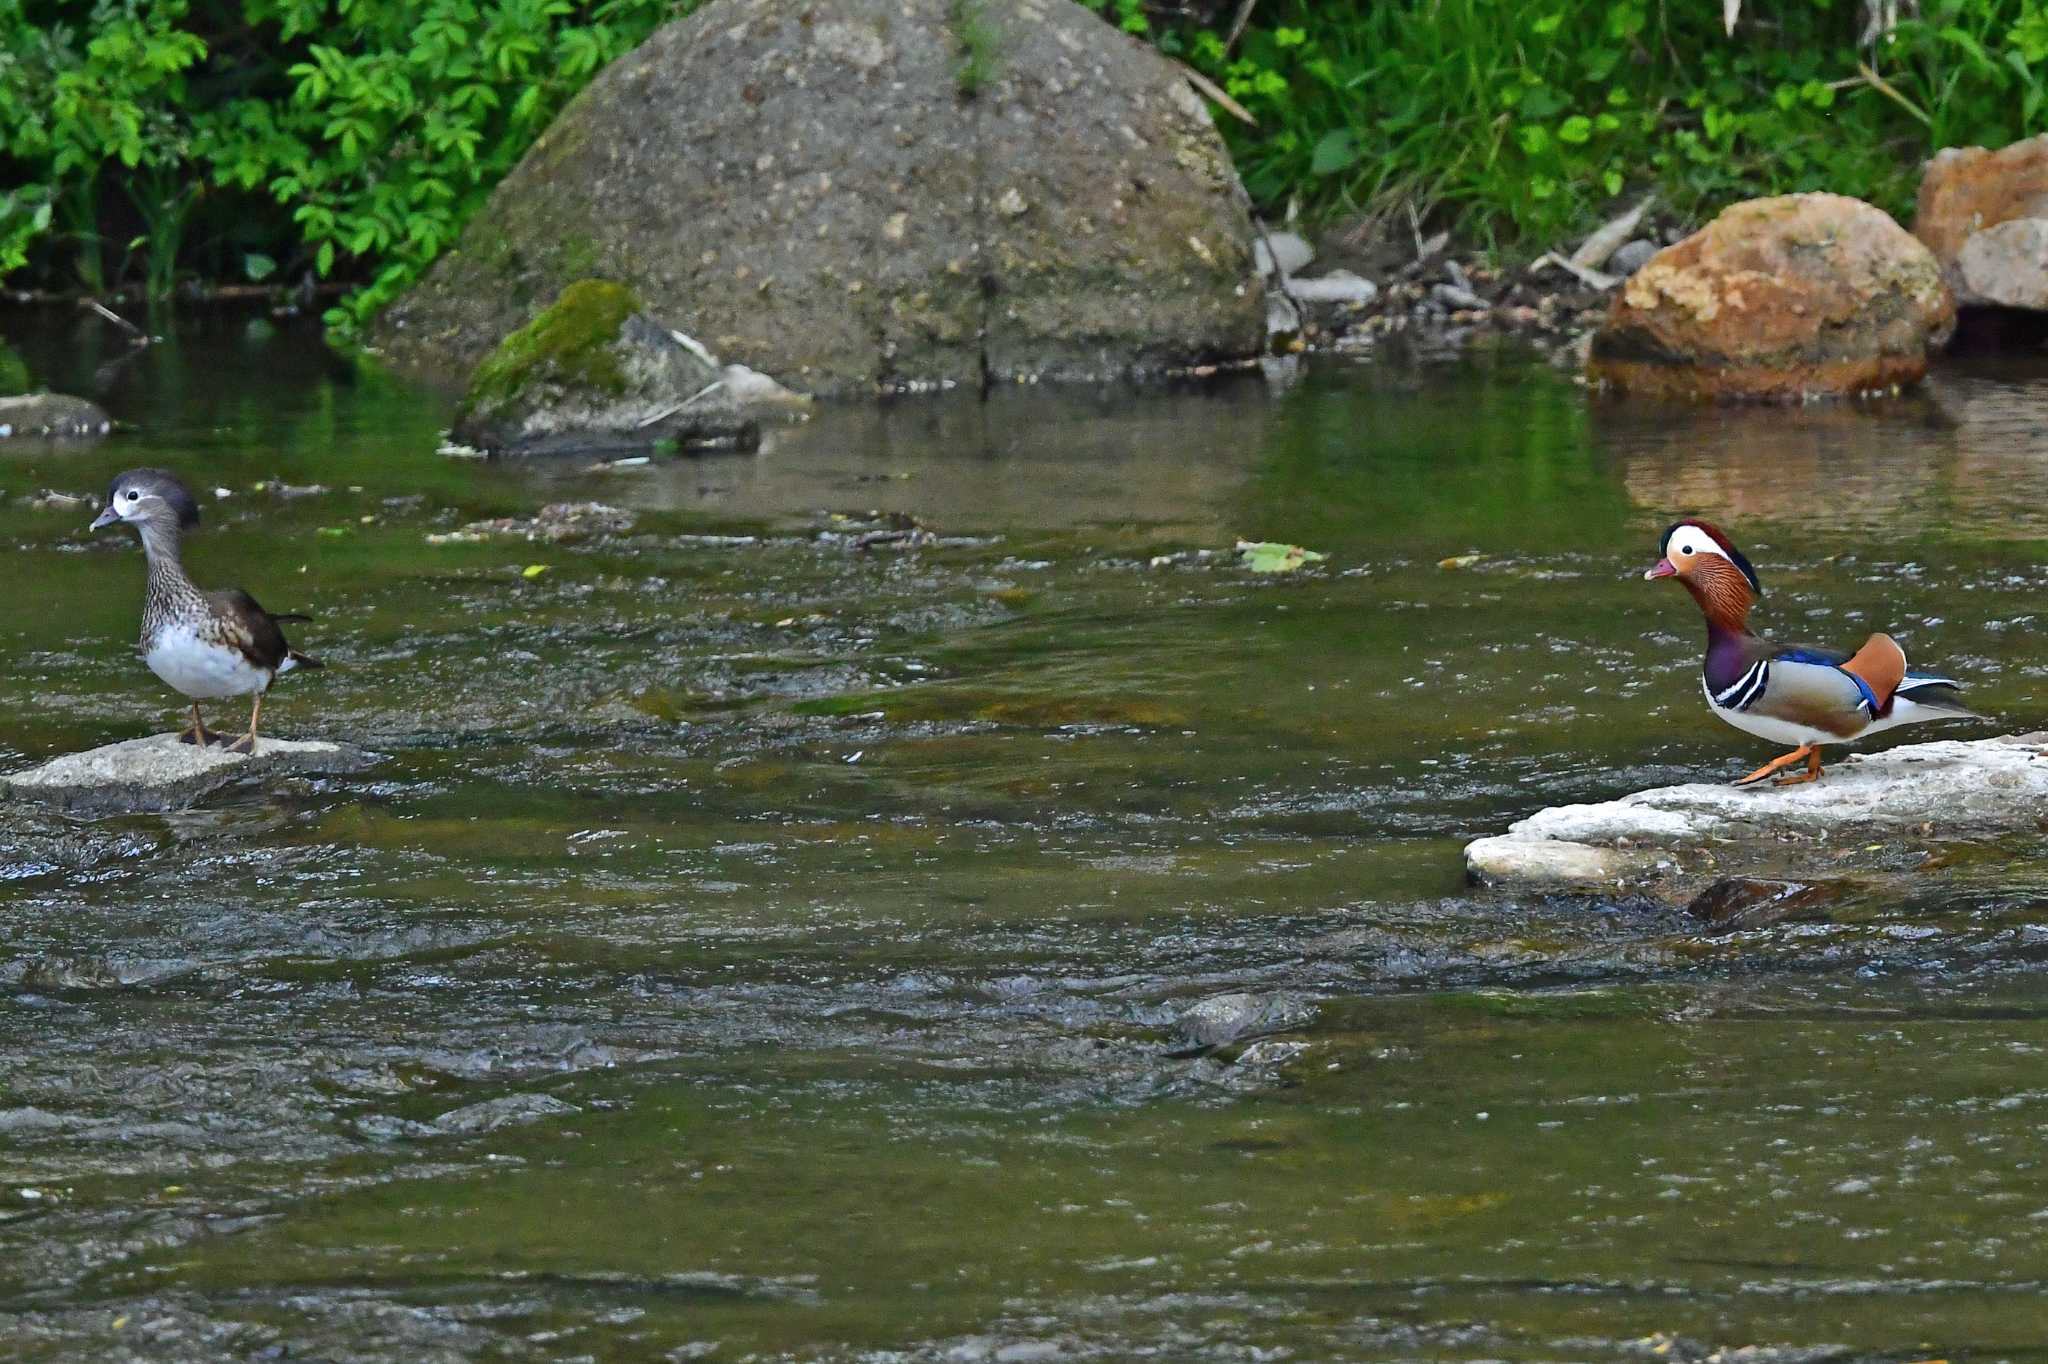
column 198, row 733
column 1812, row 772
column 1809, row 752
column 247, row 743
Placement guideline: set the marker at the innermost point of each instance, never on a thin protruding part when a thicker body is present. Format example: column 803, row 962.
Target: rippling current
column 762, row 934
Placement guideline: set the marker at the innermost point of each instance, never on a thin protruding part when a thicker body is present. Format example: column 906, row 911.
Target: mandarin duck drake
column 206, row 645
column 1791, row 694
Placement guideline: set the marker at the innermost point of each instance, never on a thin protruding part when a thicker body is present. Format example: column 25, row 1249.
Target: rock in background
column 873, row 194
column 51, row 415
column 1779, row 299
column 593, row 373
column 1984, row 215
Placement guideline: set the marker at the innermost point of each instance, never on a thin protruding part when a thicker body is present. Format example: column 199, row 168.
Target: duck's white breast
column 200, row 668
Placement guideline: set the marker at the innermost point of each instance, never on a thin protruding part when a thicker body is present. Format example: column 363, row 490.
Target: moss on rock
column 571, row 344
column 13, row 373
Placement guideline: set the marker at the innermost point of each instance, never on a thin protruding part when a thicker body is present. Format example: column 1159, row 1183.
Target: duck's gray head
column 148, row 496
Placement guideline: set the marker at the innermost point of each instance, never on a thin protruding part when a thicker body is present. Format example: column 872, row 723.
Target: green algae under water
column 755, row 946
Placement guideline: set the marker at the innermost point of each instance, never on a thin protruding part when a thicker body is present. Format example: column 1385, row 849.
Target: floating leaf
column 1270, row 556
column 1460, row 561
column 533, row 570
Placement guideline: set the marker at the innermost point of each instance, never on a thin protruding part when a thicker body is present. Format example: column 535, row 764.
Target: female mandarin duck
column 1791, row 694
column 205, row 644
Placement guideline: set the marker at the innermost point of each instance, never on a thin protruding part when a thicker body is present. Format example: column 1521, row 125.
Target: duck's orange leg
column 198, row 734
column 247, row 743
column 1804, row 751
column 1812, row 772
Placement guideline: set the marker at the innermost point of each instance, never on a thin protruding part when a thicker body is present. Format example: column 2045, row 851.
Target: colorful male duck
column 1791, row 694
column 204, row 644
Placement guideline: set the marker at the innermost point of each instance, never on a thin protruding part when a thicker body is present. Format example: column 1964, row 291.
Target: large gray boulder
column 161, row 773
column 1665, row 840
column 873, row 194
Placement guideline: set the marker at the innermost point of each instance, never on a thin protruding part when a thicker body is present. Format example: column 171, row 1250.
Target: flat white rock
column 1339, row 286
column 161, row 773
column 1281, row 252
column 1931, row 792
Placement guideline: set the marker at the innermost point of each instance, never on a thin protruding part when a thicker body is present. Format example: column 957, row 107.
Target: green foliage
column 266, row 140
column 1523, row 123
column 354, row 137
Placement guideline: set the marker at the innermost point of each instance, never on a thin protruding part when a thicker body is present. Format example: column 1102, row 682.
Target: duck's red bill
column 1662, row 570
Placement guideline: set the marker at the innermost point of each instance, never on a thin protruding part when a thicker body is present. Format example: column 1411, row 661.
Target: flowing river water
column 754, row 944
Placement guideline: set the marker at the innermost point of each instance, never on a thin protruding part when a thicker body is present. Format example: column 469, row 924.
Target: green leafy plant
column 351, row 137
column 145, row 142
column 1523, row 124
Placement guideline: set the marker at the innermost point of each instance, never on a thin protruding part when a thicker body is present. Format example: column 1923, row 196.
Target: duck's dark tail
column 292, row 657
column 1936, row 693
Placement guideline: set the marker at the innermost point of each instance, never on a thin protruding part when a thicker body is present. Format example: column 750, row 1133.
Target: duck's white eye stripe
column 1702, row 545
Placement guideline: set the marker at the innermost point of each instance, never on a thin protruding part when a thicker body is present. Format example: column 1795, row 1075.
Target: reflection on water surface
column 755, row 946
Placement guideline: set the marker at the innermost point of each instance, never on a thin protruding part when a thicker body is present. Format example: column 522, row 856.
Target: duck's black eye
column 133, row 495
column 1682, row 549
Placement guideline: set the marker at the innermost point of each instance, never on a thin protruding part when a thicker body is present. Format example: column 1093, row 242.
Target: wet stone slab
column 162, row 773
column 1665, row 839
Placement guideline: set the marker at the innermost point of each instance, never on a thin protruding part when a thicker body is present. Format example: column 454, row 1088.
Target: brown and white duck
column 206, row 645
column 1792, row 693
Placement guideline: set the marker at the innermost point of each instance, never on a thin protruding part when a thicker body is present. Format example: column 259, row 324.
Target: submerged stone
column 163, row 773
column 875, row 194
column 1221, row 1020
column 1914, row 795
column 1736, row 902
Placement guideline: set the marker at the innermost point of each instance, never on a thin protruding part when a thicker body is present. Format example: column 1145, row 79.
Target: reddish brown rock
column 1968, row 189
column 1778, row 300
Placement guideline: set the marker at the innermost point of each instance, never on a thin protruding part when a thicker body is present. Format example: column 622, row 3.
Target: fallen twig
column 135, row 334
column 1884, row 87
column 1237, row 23
column 1217, row 93
column 1592, row 279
